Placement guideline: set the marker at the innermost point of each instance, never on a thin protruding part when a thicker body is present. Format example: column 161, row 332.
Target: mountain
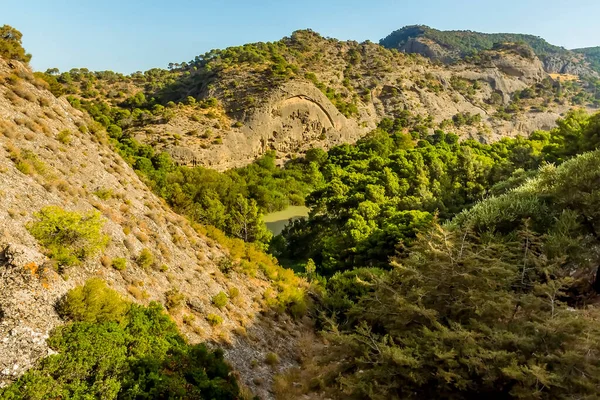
column 451, row 46
column 229, row 107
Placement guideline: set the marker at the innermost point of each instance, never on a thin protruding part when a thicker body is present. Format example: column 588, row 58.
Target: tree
column 469, row 316
column 246, row 221
column 10, row 44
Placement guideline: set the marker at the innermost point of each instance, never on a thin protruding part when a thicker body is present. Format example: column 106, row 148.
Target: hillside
column 498, row 302
column 228, row 107
column 450, row 46
column 592, row 55
column 217, row 290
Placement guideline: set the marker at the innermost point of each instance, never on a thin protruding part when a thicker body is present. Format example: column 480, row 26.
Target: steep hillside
column 501, row 301
column 228, row 107
column 111, row 226
column 592, row 54
column 451, row 46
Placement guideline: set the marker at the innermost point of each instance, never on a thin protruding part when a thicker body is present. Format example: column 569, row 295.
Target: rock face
column 430, row 49
column 555, row 64
column 294, row 118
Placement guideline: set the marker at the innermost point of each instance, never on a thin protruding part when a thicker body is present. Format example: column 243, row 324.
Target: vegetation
column 93, row 302
column 487, row 304
column 214, row 319
column 10, row 44
column 69, row 236
column 592, row 54
column 384, row 190
column 220, row 300
column 468, row 43
column 145, row 259
column 119, row 264
column 116, row 350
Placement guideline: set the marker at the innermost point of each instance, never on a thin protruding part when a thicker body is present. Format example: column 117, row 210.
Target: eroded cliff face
column 294, row 118
column 429, row 49
column 571, row 65
column 48, row 157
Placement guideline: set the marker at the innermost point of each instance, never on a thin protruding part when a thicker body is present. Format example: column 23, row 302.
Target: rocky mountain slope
column 53, row 155
column 228, row 107
column 451, row 46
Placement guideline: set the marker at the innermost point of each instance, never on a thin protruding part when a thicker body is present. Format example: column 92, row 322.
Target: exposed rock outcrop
column 295, row 117
column 567, row 65
column 430, row 49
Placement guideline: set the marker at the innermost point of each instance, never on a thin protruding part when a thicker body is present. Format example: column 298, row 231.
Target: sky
column 135, row 35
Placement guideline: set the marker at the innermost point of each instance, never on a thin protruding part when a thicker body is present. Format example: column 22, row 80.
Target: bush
column 103, row 193
column 145, row 259
column 174, row 299
column 234, row 293
column 214, row 319
column 70, row 237
column 93, row 302
column 119, row 264
column 144, row 356
column 64, row 136
column 220, row 300
column 272, row 359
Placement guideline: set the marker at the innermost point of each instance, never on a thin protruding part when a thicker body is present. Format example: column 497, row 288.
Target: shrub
column 70, row 237
column 234, row 293
column 174, row 299
column 145, row 259
column 214, row 319
column 220, row 300
column 142, row 357
column 272, row 359
column 93, row 302
column 119, row 264
column 103, row 193
column 64, row 136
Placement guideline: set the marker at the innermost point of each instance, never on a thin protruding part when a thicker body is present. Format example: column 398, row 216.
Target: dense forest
column 438, row 267
column 468, row 43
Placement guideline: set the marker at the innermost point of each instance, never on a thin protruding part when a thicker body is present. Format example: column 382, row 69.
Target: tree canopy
column 10, row 44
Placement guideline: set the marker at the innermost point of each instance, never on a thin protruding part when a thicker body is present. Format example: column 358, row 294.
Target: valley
column 308, row 218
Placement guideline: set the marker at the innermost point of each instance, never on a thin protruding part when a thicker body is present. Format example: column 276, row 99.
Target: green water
column 278, row 220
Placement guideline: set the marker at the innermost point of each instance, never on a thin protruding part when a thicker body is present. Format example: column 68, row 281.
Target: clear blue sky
column 132, row 35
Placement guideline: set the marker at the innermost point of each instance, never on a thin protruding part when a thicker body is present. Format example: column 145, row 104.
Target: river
column 276, row 221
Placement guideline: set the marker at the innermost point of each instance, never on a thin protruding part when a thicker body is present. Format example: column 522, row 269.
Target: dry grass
column 24, row 93
column 8, row 130
column 137, row 293
column 106, row 261
column 564, row 77
column 13, row 98
column 141, row 236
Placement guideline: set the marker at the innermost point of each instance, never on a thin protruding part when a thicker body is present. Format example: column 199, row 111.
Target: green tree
column 246, row 221
column 10, row 44
column 70, row 237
